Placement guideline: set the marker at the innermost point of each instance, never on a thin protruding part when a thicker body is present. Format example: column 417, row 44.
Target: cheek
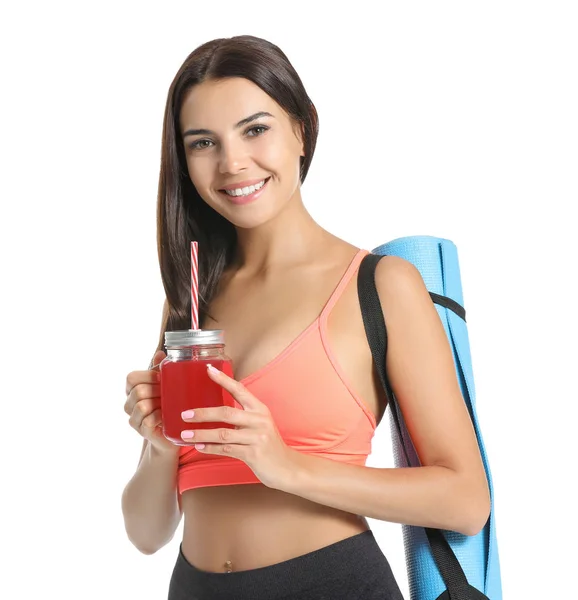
column 195, row 173
column 199, row 175
column 274, row 156
column 201, row 180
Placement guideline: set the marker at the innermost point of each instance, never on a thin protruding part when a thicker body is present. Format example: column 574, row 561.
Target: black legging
column 352, row 569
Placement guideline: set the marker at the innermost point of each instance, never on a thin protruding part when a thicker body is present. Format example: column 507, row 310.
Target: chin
column 248, row 221
column 248, row 217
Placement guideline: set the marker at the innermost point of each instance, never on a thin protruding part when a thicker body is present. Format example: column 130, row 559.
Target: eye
column 263, row 127
column 197, row 145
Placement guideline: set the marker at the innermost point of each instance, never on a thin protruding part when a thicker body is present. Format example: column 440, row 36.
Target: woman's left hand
column 255, row 440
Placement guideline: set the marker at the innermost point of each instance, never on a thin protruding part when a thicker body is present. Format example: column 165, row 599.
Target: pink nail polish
column 188, row 414
column 187, row 435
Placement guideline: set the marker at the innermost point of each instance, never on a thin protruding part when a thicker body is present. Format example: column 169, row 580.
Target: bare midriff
column 254, row 526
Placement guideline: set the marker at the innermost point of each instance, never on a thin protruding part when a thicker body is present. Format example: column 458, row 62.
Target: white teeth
column 246, row 190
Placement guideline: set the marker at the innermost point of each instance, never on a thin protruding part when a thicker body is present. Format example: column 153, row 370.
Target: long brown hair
column 182, row 215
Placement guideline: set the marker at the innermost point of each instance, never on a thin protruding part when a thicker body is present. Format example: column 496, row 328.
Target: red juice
column 186, row 385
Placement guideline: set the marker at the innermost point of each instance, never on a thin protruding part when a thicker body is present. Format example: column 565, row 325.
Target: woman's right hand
column 143, row 405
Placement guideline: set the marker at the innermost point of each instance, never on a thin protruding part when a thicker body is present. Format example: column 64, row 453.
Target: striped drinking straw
column 195, row 286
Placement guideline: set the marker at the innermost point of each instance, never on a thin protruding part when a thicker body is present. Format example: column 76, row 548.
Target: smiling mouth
column 245, row 199
column 248, row 194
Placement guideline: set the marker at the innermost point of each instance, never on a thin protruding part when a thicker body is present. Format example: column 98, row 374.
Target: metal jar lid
column 194, row 337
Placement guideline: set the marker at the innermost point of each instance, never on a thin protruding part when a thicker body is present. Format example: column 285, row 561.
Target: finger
column 135, row 378
column 224, row 414
column 150, row 422
column 234, row 450
column 234, row 387
column 141, row 411
column 140, row 392
column 218, row 436
column 157, row 359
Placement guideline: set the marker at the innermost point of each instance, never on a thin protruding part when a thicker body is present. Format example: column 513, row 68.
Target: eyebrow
column 242, row 122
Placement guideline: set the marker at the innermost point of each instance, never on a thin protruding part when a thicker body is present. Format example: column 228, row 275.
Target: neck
column 292, row 237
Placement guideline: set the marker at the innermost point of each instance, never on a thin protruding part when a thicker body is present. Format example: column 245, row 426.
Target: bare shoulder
column 412, row 320
column 398, row 281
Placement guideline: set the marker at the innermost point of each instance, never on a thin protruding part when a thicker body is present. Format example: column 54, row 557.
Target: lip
column 240, row 200
column 242, row 184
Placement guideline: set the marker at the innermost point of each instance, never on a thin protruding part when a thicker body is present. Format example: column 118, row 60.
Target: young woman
column 277, row 506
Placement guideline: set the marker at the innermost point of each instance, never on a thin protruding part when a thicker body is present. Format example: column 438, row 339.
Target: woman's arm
column 150, row 501
column 450, row 490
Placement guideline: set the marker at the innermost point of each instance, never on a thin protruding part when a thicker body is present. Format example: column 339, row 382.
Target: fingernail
column 212, row 369
column 187, row 435
column 188, row 414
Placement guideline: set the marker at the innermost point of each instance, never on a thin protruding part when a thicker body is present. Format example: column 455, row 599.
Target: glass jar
column 185, row 383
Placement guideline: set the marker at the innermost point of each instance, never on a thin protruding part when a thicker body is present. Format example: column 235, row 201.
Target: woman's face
column 234, row 151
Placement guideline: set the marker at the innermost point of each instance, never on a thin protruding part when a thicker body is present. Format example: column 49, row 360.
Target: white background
column 451, row 119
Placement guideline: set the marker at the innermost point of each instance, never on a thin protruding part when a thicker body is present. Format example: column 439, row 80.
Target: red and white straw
column 195, row 285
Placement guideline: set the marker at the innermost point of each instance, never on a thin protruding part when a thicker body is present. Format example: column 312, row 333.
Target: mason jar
column 185, row 383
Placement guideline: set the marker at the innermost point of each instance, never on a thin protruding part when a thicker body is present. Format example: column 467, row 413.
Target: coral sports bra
column 312, row 404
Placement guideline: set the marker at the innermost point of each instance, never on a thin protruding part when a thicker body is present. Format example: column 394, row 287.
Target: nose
column 233, row 157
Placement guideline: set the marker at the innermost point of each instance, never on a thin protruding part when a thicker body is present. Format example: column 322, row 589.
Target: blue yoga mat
column 437, row 261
